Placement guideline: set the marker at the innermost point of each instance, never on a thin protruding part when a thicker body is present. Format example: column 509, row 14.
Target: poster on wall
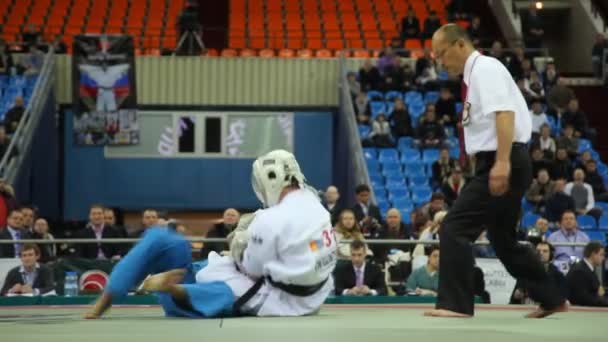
column 104, row 93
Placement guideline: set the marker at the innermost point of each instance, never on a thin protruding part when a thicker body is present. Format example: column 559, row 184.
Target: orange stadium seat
column 314, row 43
column 267, row 53
column 413, row 44
column 361, row 54
column 286, row 53
column 334, row 44
column 323, row 53
column 229, row 53
column 344, row 53
column 304, row 53
column 247, row 53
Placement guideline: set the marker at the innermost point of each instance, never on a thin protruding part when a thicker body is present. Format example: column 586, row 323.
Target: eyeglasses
column 440, row 54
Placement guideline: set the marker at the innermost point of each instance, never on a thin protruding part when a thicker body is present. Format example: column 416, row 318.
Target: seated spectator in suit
column 13, row 116
column 359, row 278
column 431, row 24
column 364, row 210
column 541, row 189
column 410, row 26
column 546, row 142
column 568, row 232
column 582, row 194
column 424, row 281
column 559, row 202
column 535, row 87
column 539, row 118
column 29, row 278
column 331, row 203
column 562, row 165
column 393, row 229
column 435, row 205
column 545, row 252
column 13, row 231
column 109, row 219
column 430, row 232
column 401, row 120
column 453, row 185
column 230, row 220
column 381, row 133
column 445, row 107
column 347, row 228
column 362, row 109
column 568, row 141
column 96, row 229
column 442, row 167
column 536, row 233
column 596, row 181
column 48, row 251
column 575, row 117
column 393, row 75
column 149, row 218
column 369, row 77
column 549, row 76
column 583, row 286
column 538, row 161
column 430, row 130
column 582, row 159
column 29, row 215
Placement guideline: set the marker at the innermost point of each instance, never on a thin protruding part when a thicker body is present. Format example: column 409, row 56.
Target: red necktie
column 463, row 153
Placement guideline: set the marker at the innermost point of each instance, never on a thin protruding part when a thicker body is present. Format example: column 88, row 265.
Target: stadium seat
column 602, row 169
column 364, row 131
column 386, row 154
column 373, row 164
column 247, row 53
column 603, row 206
column 414, row 170
column 305, row 53
column 403, row 203
column 395, row 184
column 370, row 153
column 529, row 220
column 410, row 155
column 586, row 222
column 396, row 193
column 392, row 95
column 229, row 53
column 380, row 192
column 374, row 95
column 376, row 179
column 526, row 206
column 416, row 110
column 421, row 197
column 413, row 97
column 431, row 97
column 376, row 108
column 419, row 180
column 604, row 222
column 389, row 106
column 595, row 235
column 404, row 143
column 459, row 106
column 430, row 155
column 267, row 53
column 406, row 215
column 393, row 177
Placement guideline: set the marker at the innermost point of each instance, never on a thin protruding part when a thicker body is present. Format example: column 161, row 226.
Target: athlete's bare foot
column 102, row 304
column 542, row 313
column 445, row 313
column 162, row 282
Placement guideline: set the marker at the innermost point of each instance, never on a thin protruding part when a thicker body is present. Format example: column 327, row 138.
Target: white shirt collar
column 468, row 66
column 589, row 265
column 362, row 268
column 23, row 270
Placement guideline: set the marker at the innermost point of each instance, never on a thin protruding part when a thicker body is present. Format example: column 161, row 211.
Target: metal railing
column 22, row 138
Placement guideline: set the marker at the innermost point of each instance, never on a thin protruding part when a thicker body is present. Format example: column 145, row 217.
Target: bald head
column 231, row 216
column 331, row 194
column 393, row 218
column 452, row 46
column 452, row 32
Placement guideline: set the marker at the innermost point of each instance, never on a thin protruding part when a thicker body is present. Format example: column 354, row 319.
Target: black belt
column 295, row 290
column 485, row 154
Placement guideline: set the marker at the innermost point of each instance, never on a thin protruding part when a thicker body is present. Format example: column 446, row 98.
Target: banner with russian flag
column 104, row 93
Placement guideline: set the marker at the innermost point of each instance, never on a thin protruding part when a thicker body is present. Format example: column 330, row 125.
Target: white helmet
column 272, row 172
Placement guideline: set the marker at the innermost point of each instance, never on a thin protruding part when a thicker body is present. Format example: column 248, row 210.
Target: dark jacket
column 372, row 277
column 556, row 205
column 8, row 250
column 555, row 276
column 90, row 250
column 44, row 280
column 373, row 211
column 583, row 286
column 219, row 230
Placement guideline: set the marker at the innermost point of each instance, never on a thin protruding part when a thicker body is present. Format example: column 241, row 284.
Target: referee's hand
column 499, row 178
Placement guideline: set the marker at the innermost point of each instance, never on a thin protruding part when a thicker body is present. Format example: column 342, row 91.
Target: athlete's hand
column 499, row 178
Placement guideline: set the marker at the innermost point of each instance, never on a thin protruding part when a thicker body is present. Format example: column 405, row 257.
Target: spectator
column 483, row 251
column 596, row 181
column 149, row 218
column 442, row 167
column 431, row 24
column 359, row 278
column 453, row 185
column 386, row 60
column 393, row 75
column 31, row 63
column 59, row 46
column 409, row 77
column 497, row 52
column 457, row 10
column 331, row 203
column 533, row 30
column 96, row 229
column 381, row 132
column 347, row 229
column 6, row 59
column 573, row 116
column 562, row 166
column 13, row 231
column 568, row 232
column 401, row 120
column 435, row 205
column 31, row 278
column 549, row 76
column 514, row 62
column 426, row 73
column 30, row 37
column 429, row 233
column 430, row 130
column 362, row 109
column 558, row 203
column 582, row 194
column 475, row 32
column 4, row 141
column 424, row 281
column 546, row 142
column 446, row 107
column 369, row 77
column 540, row 191
column 597, row 54
column 535, row 87
column 364, row 210
column 48, row 251
column 353, row 84
column 397, row 46
column 521, row 84
column 526, row 71
column 545, row 252
column 29, row 214
column 410, row 26
column 109, row 219
column 583, row 286
column 538, row 161
column 13, row 116
column 394, row 228
column 230, row 220
column 539, row 118
column 537, row 233
column 583, row 158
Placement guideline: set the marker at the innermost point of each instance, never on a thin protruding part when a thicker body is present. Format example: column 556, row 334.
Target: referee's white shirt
column 491, row 88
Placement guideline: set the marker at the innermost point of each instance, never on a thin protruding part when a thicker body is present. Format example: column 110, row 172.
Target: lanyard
column 470, row 76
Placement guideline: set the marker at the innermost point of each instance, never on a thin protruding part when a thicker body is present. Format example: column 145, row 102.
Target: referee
column 497, row 127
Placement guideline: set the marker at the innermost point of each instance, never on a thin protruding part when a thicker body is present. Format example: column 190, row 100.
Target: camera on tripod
column 190, row 41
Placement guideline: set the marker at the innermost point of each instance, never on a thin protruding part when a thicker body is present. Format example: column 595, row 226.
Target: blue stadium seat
column 410, row 155
column 455, row 152
column 376, row 179
column 602, row 169
column 443, row 75
column 374, row 95
column 450, row 132
column 420, row 197
column 397, row 194
column 394, row 178
column 431, row 97
column 377, row 107
column 403, row 203
column 384, row 207
column 406, row 215
column 430, row 155
column 405, row 143
column 392, row 95
column 364, row 131
column 452, row 142
column 603, row 206
column 586, row 222
column 414, row 170
column 412, row 97
column 388, row 154
column 393, row 184
column 597, row 236
column 459, row 106
column 529, row 219
column 604, row 222
column 390, row 165
column 373, row 165
column 416, row 109
column 379, row 191
column 584, row 144
column 416, row 181
column 389, row 106
column 526, row 206
column 370, row 153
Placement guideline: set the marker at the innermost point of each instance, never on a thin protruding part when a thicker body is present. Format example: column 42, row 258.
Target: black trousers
column 475, row 210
